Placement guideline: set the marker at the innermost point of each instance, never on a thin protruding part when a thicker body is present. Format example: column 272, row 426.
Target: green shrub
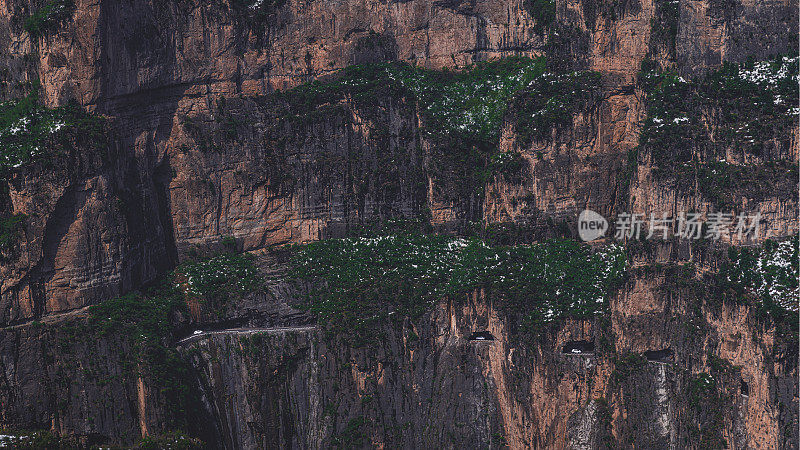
column 144, row 320
column 353, row 434
column 36, row 440
column 708, row 406
column 627, row 364
column 9, row 231
column 550, row 101
column 664, row 24
column 176, row 440
column 768, row 276
column 29, row 131
column 692, row 124
column 543, row 12
column 49, row 17
column 223, row 275
column 466, row 105
column 356, row 284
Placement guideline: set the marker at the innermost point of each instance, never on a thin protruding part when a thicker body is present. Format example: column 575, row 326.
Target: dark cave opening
column 481, row 336
column 578, row 348
column 664, row 355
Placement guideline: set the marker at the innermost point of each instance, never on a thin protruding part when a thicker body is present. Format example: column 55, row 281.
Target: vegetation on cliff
column 220, row 276
column 770, row 272
column 664, row 27
column 146, row 316
column 10, row 228
column 751, row 104
column 768, row 275
column 462, row 112
column 708, row 404
column 692, row 125
column 49, row 17
column 35, row 440
column 46, row 440
column 145, row 322
column 723, row 183
column 358, row 283
column 543, row 12
column 30, row 131
column 549, row 102
column 256, row 14
column 466, row 105
column 469, row 105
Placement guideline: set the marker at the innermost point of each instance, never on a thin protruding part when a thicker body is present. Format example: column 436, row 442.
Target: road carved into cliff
column 203, row 334
column 49, row 319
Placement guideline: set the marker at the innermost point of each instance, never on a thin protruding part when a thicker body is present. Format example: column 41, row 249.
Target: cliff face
column 427, row 384
column 175, row 134
column 156, row 71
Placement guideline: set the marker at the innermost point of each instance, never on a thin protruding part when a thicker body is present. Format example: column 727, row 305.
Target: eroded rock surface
column 200, row 155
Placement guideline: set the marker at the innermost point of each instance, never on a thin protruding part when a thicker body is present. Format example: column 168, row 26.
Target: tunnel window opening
column 744, row 388
column 662, row 356
column 578, row 348
column 481, row 336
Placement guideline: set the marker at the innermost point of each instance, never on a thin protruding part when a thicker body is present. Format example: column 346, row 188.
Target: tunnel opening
column 744, row 388
column 578, row 348
column 661, row 356
column 481, row 336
